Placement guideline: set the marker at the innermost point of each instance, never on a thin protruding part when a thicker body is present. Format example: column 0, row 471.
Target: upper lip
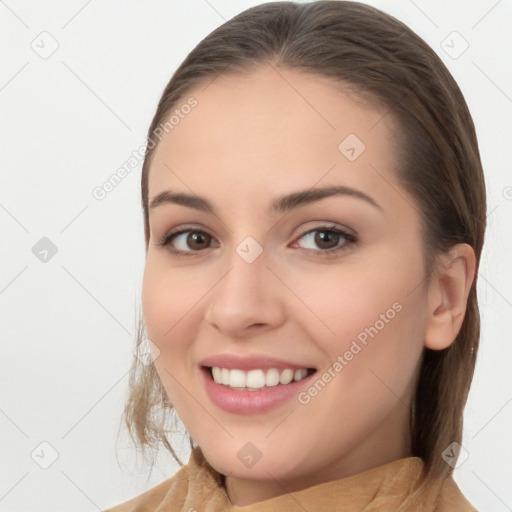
column 252, row 362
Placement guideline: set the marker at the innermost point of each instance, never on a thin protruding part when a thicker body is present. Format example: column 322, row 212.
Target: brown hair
column 379, row 58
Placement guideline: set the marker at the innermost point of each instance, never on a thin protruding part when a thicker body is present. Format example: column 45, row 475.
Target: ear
column 448, row 295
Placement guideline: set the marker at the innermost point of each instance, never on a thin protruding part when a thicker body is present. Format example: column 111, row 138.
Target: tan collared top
column 198, row 487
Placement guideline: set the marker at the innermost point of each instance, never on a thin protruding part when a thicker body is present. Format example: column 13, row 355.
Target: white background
column 70, row 121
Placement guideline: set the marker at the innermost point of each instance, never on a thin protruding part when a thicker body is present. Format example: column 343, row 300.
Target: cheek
column 381, row 337
column 170, row 298
column 156, row 303
column 173, row 301
column 357, row 294
column 165, row 303
column 372, row 315
column 163, row 310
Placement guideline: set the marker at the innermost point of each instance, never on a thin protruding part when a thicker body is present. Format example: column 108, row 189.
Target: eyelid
column 173, row 233
column 327, row 225
column 183, row 229
column 349, row 234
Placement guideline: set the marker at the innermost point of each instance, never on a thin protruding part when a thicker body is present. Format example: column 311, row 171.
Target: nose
column 248, row 299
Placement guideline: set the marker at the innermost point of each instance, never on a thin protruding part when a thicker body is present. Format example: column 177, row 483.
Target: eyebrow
column 282, row 204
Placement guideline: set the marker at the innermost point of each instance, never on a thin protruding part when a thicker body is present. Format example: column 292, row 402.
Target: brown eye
column 197, row 240
column 187, row 242
column 327, row 240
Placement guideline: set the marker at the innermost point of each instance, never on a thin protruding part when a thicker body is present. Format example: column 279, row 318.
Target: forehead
column 272, row 130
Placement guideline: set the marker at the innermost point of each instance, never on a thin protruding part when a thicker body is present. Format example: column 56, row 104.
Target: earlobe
column 448, row 296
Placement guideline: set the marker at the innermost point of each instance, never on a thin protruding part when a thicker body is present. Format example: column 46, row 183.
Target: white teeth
column 237, row 378
column 272, row 377
column 217, row 374
column 254, row 380
column 300, row 374
column 286, row 376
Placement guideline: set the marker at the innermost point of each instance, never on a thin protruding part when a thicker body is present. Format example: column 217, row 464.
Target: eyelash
column 349, row 240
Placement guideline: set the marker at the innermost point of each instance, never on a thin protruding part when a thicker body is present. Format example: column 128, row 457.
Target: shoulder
column 175, row 488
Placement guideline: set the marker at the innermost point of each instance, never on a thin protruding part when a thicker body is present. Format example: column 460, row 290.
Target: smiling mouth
column 256, row 379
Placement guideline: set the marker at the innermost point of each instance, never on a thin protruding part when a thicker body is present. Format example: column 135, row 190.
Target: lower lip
column 250, row 402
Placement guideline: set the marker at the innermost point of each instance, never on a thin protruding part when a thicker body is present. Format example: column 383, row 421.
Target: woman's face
column 253, row 281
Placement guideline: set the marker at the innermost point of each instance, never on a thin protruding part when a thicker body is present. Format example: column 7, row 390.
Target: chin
column 246, row 461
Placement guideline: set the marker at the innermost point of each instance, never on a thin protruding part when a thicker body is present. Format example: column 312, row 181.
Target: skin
column 251, row 138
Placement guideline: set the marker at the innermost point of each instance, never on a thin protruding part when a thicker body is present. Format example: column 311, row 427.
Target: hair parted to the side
column 380, row 59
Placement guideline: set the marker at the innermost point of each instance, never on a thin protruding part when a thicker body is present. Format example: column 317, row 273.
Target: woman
column 314, row 209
